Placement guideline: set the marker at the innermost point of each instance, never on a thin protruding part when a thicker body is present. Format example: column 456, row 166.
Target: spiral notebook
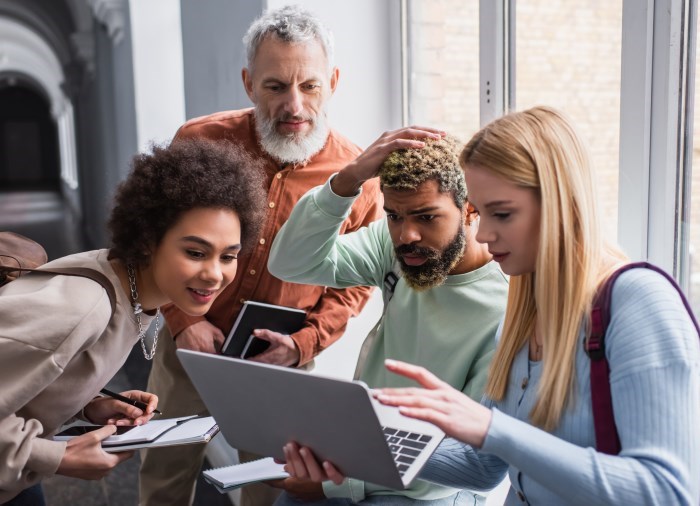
column 187, row 430
column 231, row 477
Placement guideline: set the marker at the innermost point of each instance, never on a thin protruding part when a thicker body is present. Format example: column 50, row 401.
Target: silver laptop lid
column 260, row 408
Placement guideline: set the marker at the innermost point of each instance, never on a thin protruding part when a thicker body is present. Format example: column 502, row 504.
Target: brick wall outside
column 568, row 55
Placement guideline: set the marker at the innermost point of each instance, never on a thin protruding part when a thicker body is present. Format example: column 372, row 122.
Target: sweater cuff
column 498, row 436
column 46, row 456
column 305, row 340
column 332, row 204
column 350, row 488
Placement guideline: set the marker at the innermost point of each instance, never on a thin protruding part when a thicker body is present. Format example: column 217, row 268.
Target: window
column 568, row 55
column 692, row 227
column 443, row 65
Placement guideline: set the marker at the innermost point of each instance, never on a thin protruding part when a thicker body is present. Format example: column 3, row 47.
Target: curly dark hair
column 406, row 169
column 171, row 180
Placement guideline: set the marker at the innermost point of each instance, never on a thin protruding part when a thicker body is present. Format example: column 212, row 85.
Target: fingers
column 303, row 464
column 418, row 374
column 101, row 433
column 122, row 456
column 268, row 335
column 414, row 132
column 295, row 463
column 333, row 474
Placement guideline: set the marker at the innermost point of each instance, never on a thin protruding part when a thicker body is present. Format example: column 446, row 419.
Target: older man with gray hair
column 289, row 77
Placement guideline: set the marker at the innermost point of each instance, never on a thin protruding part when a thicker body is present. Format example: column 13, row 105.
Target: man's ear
column 471, row 215
column 248, row 83
column 335, row 75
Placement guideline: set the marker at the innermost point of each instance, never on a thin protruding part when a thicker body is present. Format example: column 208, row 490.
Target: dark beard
column 437, row 266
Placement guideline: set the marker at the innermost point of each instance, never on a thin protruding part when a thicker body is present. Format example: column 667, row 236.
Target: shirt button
column 524, row 383
column 262, row 241
column 271, row 204
column 252, row 272
column 279, row 176
column 242, row 301
column 521, row 496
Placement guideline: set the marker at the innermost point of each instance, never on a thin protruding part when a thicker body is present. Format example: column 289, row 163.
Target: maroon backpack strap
column 606, row 436
column 83, row 272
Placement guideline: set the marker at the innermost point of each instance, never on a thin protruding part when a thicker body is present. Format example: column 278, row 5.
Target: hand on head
column 349, row 180
column 438, row 403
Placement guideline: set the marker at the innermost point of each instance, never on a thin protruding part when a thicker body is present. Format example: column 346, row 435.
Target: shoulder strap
column 83, row 272
column 391, row 279
column 607, row 438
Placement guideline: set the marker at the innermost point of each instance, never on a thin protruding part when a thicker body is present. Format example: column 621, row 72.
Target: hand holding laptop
column 301, row 463
column 338, row 419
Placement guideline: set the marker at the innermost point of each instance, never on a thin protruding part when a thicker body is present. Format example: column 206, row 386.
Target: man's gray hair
column 291, row 24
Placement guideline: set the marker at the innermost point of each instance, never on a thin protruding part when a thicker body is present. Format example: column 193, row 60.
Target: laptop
column 260, row 407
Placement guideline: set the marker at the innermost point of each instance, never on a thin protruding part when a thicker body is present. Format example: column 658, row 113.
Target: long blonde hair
column 540, row 149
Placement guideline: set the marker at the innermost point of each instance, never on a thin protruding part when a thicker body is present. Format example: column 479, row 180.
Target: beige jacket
column 58, row 348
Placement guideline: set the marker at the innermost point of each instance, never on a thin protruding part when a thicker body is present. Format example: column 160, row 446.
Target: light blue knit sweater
column 654, row 357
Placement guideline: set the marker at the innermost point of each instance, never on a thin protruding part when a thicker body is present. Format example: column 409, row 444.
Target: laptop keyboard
column 405, row 446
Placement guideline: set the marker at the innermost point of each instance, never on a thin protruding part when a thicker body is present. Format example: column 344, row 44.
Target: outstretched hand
column 366, row 166
column 438, row 403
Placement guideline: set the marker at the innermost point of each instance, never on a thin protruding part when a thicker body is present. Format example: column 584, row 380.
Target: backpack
column 606, row 436
column 19, row 254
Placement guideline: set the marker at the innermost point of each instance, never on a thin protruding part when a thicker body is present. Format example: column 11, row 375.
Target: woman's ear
column 471, row 214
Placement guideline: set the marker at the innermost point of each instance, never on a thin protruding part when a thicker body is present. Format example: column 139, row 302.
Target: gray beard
column 294, row 148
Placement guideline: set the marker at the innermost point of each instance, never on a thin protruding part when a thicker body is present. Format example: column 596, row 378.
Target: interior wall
column 213, row 53
column 107, row 135
column 368, row 99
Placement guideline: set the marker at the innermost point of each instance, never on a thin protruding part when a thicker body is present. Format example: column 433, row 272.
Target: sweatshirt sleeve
column 26, row 458
column 322, row 256
column 33, row 352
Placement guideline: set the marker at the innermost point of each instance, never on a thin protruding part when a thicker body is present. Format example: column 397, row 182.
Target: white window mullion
column 652, row 119
column 635, row 126
column 666, row 125
column 494, row 61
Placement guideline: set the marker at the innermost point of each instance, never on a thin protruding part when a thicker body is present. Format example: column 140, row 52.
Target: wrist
column 485, row 424
column 84, row 415
column 345, row 184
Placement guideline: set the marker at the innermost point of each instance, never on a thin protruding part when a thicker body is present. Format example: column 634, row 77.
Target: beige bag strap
column 83, row 272
column 390, row 281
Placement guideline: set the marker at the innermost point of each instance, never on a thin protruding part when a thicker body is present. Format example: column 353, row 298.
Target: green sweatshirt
column 448, row 329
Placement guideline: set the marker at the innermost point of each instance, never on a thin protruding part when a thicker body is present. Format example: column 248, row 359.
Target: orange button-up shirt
column 328, row 309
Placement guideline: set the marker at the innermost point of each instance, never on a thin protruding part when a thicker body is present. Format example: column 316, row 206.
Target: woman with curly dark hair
column 179, row 221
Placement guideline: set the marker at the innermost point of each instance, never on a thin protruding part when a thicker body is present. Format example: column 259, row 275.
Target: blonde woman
column 529, row 176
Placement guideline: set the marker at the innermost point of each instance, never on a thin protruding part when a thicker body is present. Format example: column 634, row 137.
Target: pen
column 141, row 405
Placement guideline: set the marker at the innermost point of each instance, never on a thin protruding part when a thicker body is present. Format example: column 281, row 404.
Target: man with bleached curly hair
column 439, row 284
